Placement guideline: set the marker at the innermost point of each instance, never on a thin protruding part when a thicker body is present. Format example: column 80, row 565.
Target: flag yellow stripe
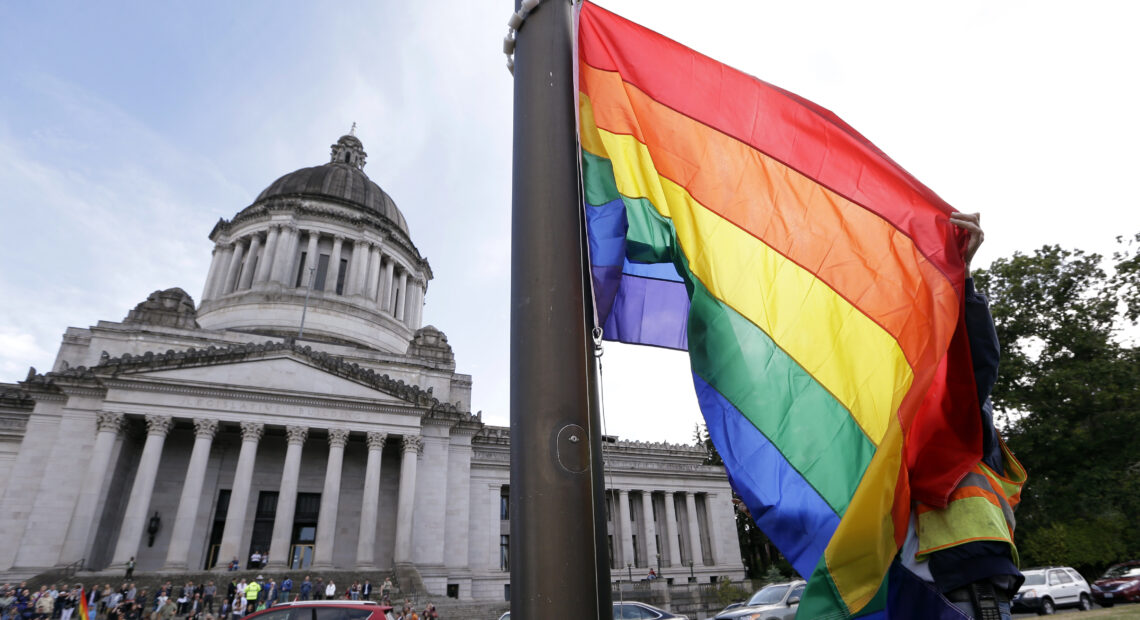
column 845, row 351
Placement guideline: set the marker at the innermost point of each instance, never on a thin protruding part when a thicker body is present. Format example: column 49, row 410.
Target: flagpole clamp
column 514, row 24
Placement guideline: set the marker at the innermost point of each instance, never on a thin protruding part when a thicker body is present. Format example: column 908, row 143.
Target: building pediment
column 266, row 366
column 286, row 373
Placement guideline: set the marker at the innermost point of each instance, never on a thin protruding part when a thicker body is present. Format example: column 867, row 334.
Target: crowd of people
column 202, row 601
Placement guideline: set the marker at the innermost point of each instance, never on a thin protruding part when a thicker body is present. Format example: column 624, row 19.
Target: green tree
column 1067, row 394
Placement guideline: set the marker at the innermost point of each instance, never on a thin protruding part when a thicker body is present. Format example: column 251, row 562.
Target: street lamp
column 692, row 576
column 630, row 567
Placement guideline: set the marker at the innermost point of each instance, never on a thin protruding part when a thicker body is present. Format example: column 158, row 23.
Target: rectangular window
column 301, row 270
column 609, row 508
column 322, row 272
column 505, row 503
column 504, row 552
column 340, row 276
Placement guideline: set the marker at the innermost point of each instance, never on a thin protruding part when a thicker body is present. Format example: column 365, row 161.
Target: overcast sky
column 128, row 128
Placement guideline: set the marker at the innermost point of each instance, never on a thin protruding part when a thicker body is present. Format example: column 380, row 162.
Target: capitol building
column 301, row 408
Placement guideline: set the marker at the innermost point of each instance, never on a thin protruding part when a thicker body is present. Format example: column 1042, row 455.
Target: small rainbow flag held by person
column 83, row 613
column 817, row 286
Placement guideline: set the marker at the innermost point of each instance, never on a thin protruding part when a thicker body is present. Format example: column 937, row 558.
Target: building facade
column 302, row 410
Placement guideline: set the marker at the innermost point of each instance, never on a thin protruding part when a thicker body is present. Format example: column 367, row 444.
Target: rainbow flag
column 817, row 286
column 83, row 613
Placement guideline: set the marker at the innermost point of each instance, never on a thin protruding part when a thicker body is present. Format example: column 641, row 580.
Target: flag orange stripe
column 791, row 213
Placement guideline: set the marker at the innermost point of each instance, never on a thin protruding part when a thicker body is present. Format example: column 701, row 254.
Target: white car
column 778, row 601
column 1046, row 589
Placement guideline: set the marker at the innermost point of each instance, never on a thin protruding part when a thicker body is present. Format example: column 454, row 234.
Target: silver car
column 777, row 601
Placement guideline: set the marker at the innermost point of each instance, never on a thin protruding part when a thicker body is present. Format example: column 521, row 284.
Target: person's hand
column 971, row 222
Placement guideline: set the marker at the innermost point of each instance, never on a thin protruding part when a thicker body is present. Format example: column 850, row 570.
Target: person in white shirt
column 330, row 590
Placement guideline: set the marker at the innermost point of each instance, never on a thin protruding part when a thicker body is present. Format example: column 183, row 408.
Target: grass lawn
column 1119, row 612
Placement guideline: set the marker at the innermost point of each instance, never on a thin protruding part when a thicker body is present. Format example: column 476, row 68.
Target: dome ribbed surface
column 341, row 182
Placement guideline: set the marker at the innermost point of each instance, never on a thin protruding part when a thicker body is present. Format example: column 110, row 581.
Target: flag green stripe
column 813, row 431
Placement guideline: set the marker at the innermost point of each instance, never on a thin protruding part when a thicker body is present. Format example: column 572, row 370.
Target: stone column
column 234, row 528
column 671, row 540
column 418, row 320
column 250, row 262
column 232, row 271
column 330, row 499
column 359, row 267
column 400, row 299
column 694, row 529
column 386, row 285
column 265, row 265
column 177, row 554
column 648, row 529
column 219, row 286
column 405, row 500
column 373, row 276
column 287, row 499
column 311, row 262
column 83, row 520
column 135, row 515
column 283, row 257
column 366, row 546
column 334, row 264
column 212, row 274
column 626, row 528
column 412, row 291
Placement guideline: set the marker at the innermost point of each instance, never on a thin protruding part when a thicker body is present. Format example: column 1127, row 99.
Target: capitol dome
column 342, row 180
column 321, row 254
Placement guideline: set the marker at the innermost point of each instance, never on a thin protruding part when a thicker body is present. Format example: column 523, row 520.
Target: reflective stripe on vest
column 980, row 508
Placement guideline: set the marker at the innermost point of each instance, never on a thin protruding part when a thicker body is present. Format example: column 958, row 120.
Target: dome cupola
column 325, row 242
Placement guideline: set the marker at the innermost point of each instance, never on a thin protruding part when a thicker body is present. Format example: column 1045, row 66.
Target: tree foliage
column 1067, row 392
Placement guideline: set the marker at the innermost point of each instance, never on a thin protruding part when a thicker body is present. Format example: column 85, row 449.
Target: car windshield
column 769, row 595
column 1034, row 579
column 1116, row 572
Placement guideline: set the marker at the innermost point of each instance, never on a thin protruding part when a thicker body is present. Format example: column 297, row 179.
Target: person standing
column 286, row 589
column 330, row 590
column 130, row 568
column 208, row 596
column 366, row 590
column 319, row 590
column 252, row 592
column 306, row 588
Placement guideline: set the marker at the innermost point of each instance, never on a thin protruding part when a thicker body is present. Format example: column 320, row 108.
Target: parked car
column 1048, row 588
column 777, row 601
column 1120, row 583
column 631, row 610
column 324, row 610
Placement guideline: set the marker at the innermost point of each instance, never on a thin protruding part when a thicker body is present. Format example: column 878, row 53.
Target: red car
column 1119, row 584
column 324, row 610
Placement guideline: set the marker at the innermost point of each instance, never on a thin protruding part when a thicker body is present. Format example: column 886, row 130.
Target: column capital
column 413, row 443
column 376, row 441
column 338, row 237
column 338, row 437
column 158, row 424
column 205, row 427
column 623, row 491
column 252, row 431
column 296, row 434
column 107, row 421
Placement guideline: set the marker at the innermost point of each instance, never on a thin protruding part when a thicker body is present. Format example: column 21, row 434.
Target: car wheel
column 1086, row 602
column 1047, row 608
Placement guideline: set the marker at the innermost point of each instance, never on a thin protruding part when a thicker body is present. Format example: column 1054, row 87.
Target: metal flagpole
column 555, row 493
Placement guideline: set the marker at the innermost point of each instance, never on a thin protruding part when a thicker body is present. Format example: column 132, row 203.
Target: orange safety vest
column 980, row 508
